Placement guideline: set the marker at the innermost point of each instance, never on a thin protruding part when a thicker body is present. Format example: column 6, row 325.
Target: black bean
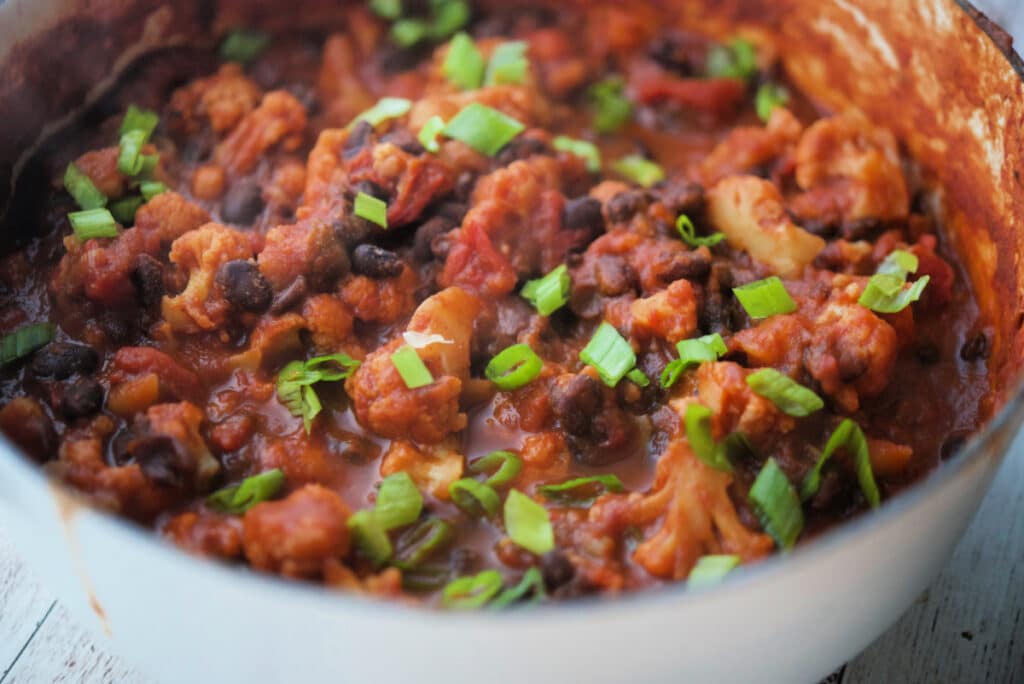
column 330, row 264
column 455, row 211
column 242, row 203
column 520, row 148
column 244, row 286
column 290, row 296
column 117, row 326
column 821, row 227
column 357, row 139
column 861, row 229
column 624, row 205
column 82, row 398
column 976, row 348
column 376, row 262
column 695, row 265
column 682, row 196
column 148, row 278
column 556, row 568
column 583, row 213
column 405, row 141
column 671, row 54
column 423, row 240
column 61, row 360
column 353, row 230
column 614, row 275
column 575, row 400
column 162, row 458
column 368, row 187
column 464, row 185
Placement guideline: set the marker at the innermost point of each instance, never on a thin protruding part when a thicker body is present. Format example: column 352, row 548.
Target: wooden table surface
column 967, row 627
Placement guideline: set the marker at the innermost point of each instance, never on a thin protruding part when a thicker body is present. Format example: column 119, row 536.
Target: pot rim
column 1002, row 426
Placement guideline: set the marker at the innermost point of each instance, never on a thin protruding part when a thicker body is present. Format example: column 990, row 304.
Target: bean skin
column 82, row 398
column 243, row 203
column 376, row 262
column 244, row 286
column 61, row 360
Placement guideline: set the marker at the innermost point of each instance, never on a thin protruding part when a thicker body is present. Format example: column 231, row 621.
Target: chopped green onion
column 24, row 341
column 428, row 134
column 581, row 148
column 514, row 367
column 123, row 210
column 503, row 464
column 151, row 189
column 475, row 498
column 508, row 64
column 484, row 129
column 295, row 383
column 737, row 59
column 399, row 503
column 637, row 377
column 769, row 96
column 149, row 162
column 408, row 32
column 388, row 9
column 386, row 108
column 471, row 592
column 418, row 543
column 698, row 432
column 532, row 582
column 237, row 499
column 791, row 397
column 689, row 234
column 243, row 46
column 899, row 263
column 764, row 298
column 878, row 295
column 426, row 578
column 528, row 523
column 93, row 223
column 372, row 209
column 611, row 107
column 850, row 437
column 609, row 353
column 449, row 17
column 136, row 119
column 411, row 367
column 693, row 353
column 710, row 570
column 550, row 293
column 370, row 537
column 463, row 65
column 81, row 187
column 777, row 505
column 581, row 491
column 639, row 170
column 129, row 158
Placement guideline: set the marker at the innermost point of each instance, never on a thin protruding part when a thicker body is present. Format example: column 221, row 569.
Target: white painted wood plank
column 23, row 603
column 969, row 626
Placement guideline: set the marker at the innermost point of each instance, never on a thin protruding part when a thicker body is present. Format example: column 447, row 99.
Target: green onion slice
column 483, row 128
column 791, row 397
column 769, row 96
column 688, row 233
column 81, row 187
column 408, row 32
column 123, row 209
column 514, row 367
column 475, row 498
column 151, row 189
column 609, row 353
column 637, row 377
column 24, row 341
column 237, row 499
column 399, row 503
column 639, row 170
column 879, row 294
column 503, row 466
column 372, row 209
column 93, row 223
column 764, row 298
column 692, row 353
column 508, row 64
column 850, row 437
column 528, row 523
column 464, row 65
column 581, row 148
column 449, row 17
column 137, row 119
column 129, row 158
column 388, row 9
column 581, row 491
column 419, row 543
column 697, row 421
column 737, row 59
column 411, row 367
column 243, row 46
column 428, row 134
column 899, row 263
column 531, row 584
column 550, row 293
column 777, row 505
column 386, row 108
column 471, row 592
column 370, row 537
column 295, row 383
column 612, row 109
column 710, row 570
